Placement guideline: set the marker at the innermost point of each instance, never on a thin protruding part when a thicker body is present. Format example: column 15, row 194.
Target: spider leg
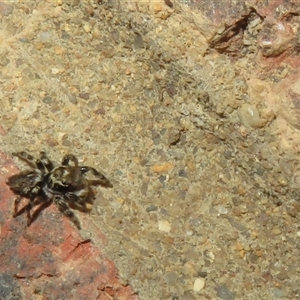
column 28, row 211
column 17, row 201
column 34, row 193
column 75, row 200
column 44, row 163
column 100, row 178
column 29, row 159
column 29, row 206
column 69, row 157
column 59, row 201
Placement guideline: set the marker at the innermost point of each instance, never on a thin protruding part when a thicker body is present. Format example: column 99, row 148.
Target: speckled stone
column 149, row 95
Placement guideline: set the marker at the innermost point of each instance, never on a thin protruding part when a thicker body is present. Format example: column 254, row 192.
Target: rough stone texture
column 193, row 114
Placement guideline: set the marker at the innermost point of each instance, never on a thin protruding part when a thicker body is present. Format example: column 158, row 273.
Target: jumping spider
column 64, row 185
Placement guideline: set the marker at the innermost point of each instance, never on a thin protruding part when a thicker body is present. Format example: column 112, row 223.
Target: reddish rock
column 228, row 22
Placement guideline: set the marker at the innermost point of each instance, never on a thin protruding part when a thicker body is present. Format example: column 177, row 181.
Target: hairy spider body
column 64, row 185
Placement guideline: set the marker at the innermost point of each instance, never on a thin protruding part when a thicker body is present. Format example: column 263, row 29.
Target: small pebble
column 151, row 208
column 58, row 50
column 182, row 173
column 164, row 226
column 278, row 293
column 169, row 3
column 55, row 71
column 249, row 116
column 171, row 278
column 47, row 100
column 221, row 209
column 45, row 36
column 199, row 284
column 224, row 293
column 138, row 42
column 87, row 28
column 85, row 96
column 276, row 231
column 162, row 168
column 96, row 33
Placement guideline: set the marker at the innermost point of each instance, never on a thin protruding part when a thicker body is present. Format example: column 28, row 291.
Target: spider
column 64, row 185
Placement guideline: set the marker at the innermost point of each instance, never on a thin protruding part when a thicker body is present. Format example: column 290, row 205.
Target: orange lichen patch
column 163, row 168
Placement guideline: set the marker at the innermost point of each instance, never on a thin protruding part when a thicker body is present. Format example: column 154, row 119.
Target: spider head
column 63, row 178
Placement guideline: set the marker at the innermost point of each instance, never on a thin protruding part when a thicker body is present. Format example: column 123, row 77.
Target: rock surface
column 192, row 111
